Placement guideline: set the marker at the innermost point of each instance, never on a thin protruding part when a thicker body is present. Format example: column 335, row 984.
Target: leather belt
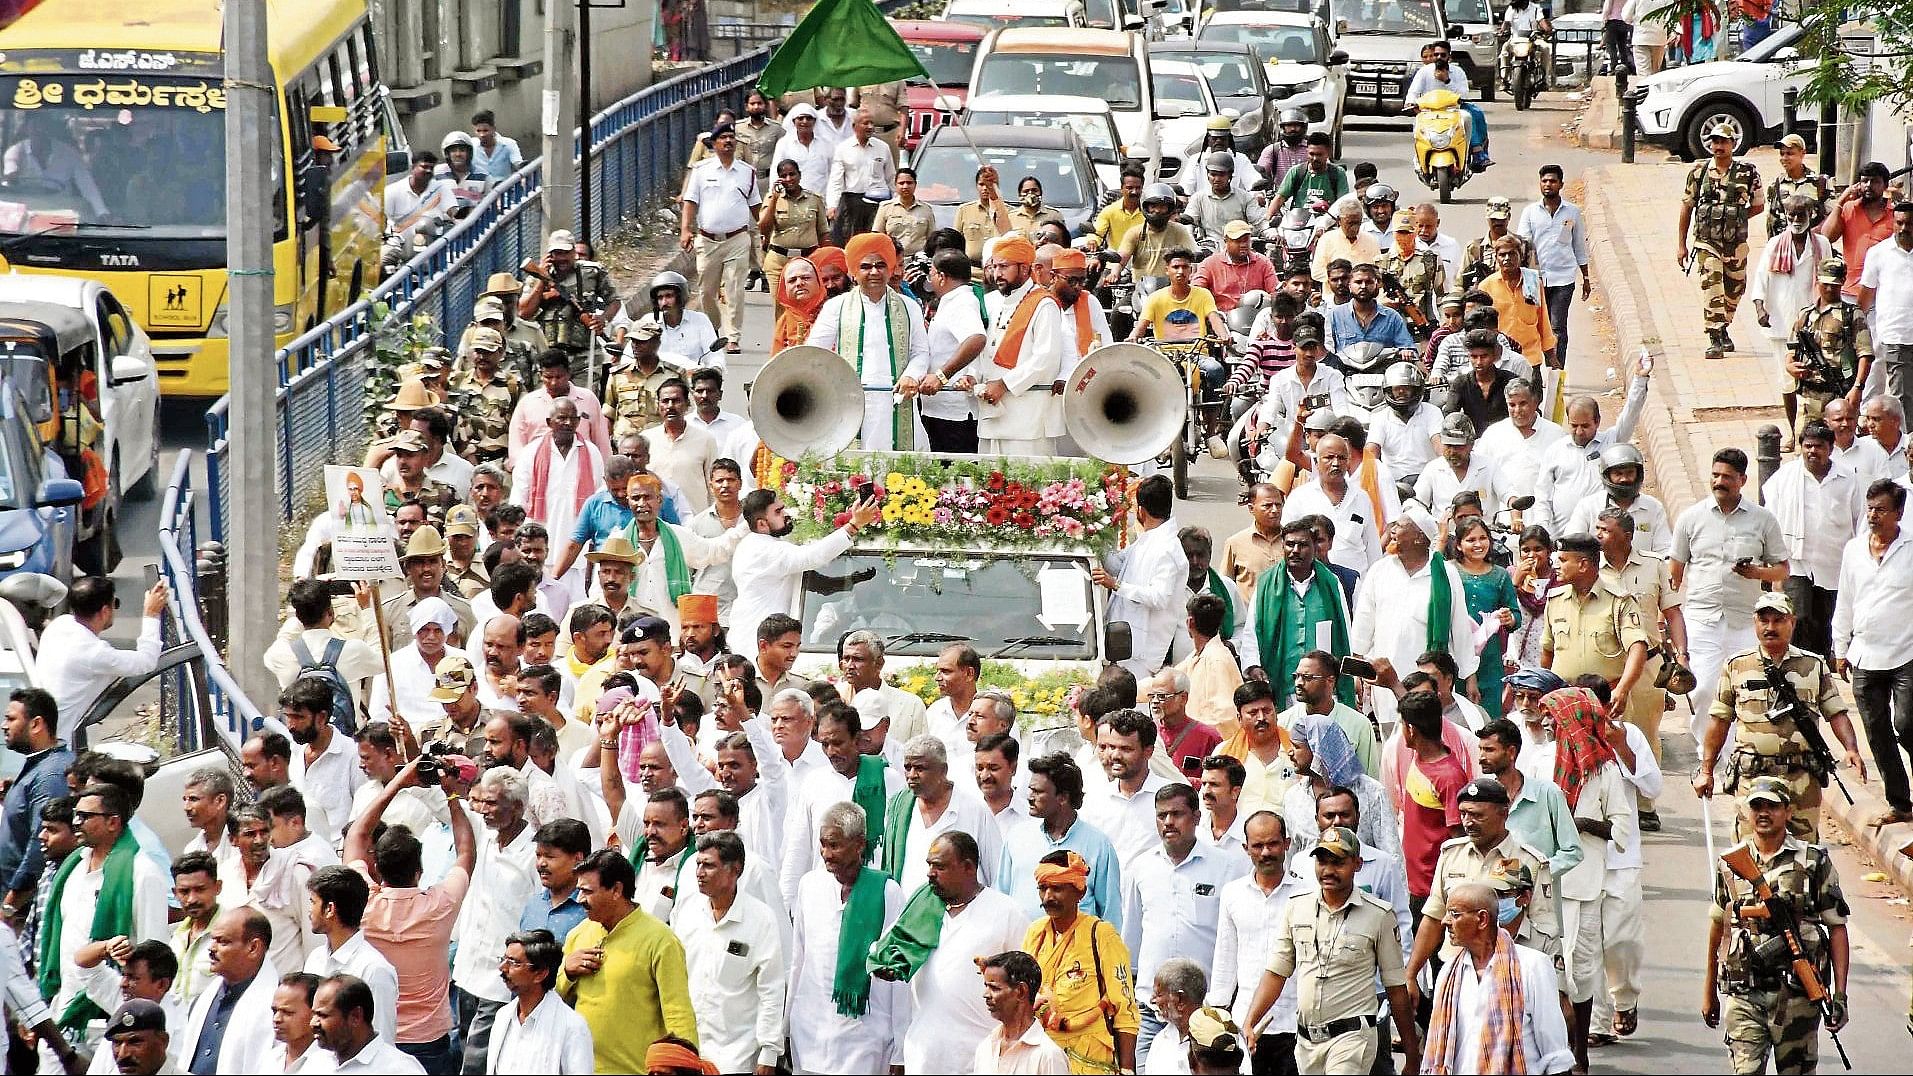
column 1321, row 1033
column 792, row 252
column 713, row 237
column 885, row 126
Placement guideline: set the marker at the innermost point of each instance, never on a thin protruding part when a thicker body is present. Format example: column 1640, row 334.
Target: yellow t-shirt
column 1114, row 222
column 1157, row 308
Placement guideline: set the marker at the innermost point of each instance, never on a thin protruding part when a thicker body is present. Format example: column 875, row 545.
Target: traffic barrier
column 198, row 695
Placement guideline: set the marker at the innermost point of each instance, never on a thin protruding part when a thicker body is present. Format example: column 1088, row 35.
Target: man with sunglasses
column 77, row 664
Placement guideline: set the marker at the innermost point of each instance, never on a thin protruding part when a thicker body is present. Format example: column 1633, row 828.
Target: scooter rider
column 1290, row 149
column 1218, row 137
column 1145, row 250
column 1379, row 207
column 1405, row 429
column 1439, row 73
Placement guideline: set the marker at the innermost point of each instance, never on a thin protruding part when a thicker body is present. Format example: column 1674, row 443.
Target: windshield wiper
column 1034, row 640
column 925, row 637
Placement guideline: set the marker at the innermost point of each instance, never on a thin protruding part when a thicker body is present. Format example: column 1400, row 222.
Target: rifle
column 1788, row 705
column 1408, row 307
column 535, row 269
column 1779, row 915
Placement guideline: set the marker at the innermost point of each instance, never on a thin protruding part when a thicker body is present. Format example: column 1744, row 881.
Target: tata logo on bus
column 130, row 60
column 132, row 93
column 120, row 261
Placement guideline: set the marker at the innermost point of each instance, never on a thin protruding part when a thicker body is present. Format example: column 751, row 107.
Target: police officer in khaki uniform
column 792, row 223
column 463, row 568
column 907, row 221
column 1472, row 857
column 484, row 395
column 1648, row 578
column 631, row 392
column 985, row 218
column 1767, row 1012
column 887, row 110
column 1333, row 943
column 1766, row 743
column 1590, row 627
column 1838, row 351
column 423, row 563
column 1723, row 195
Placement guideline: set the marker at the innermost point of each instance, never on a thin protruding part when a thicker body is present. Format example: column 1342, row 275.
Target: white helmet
column 455, row 138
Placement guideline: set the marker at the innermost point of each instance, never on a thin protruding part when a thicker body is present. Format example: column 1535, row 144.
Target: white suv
column 1676, row 105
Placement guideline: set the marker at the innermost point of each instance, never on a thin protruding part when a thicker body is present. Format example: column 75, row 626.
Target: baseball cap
column 1338, row 841
column 461, row 519
column 1793, row 141
column 1774, row 601
column 1509, row 875
column 1769, row 788
column 1320, row 420
column 1500, row 208
column 1307, row 332
column 451, row 677
column 560, row 240
column 408, row 440
column 137, row 1014
column 1236, row 229
column 1457, row 430
column 1483, row 790
column 324, row 144
column 484, row 339
column 489, row 308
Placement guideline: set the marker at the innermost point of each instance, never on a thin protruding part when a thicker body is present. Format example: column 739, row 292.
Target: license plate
column 1367, row 88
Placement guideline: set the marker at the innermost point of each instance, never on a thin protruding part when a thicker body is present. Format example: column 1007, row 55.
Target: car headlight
column 281, row 320
column 1486, row 37
column 217, row 328
column 14, row 561
column 1281, row 92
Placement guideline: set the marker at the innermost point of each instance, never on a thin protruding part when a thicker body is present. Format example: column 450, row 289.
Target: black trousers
column 855, row 215
column 1274, row 1055
column 1812, row 613
column 951, row 434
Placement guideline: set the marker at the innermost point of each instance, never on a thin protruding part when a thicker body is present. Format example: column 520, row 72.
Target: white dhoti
column 1024, row 446
column 1709, row 644
column 880, row 404
column 1617, row 983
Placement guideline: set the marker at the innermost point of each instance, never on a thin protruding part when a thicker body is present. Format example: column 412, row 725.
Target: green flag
column 840, row 43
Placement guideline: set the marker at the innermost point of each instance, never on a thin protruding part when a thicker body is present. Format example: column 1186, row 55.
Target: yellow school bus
column 113, row 164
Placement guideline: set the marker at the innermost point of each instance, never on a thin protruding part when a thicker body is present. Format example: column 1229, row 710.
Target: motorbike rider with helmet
column 1218, row 137
column 1288, row 150
column 1406, row 427
column 1527, row 17
column 1221, row 202
column 1622, row 473
column 459, row 169
column 686, row 336
column 1378, row 206
column 1145, row 250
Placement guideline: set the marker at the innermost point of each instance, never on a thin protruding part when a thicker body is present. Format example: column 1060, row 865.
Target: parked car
column 1676, row 105
column 1183, row 107
column 1302, row 66
column 1236, row 80
column 946, row 169
column 39, row 504
column 947, row 51
column 1110, row 64
column 990, row 14
column 1471, row 37
column 1383, row 43
column 1089, row 117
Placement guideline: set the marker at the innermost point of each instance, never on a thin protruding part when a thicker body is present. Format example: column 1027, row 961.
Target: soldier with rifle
column 1776, row 943
column 1831, row 351
column 1776, row 693
column 567, row 298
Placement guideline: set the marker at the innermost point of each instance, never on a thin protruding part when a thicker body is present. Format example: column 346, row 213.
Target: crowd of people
column 1372, row 785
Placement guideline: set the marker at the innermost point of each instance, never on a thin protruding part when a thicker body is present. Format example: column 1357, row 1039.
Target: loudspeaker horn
column 1124, row 404
column 806, row 401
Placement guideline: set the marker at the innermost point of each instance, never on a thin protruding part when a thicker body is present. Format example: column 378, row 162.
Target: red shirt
column 1858, row 233
column 1425, row 827
column 1229, row 281
column 1189, row 745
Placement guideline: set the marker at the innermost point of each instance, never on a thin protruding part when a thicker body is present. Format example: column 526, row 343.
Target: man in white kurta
column 881, row 334
column 1517, row 443
column 978, row 923
column 1391, row 606
column 1076, row 308
column 769, row 571
column 1021, row 361
column 1146, row 579
column 822, row 1039
column 816, row 792
column 556, row 472
column 939, row 805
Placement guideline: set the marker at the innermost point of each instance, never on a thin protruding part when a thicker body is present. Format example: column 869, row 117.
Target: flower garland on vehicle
column 944, row 502
column 1044, row 696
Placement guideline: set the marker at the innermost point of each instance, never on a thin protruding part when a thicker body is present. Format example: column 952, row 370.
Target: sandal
column 1890, row 817
column 1598, row 1039
column 1626, row 1022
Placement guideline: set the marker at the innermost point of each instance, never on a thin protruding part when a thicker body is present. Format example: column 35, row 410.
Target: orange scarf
column 1011, row 348
column 1084, row 334
column 793, row 325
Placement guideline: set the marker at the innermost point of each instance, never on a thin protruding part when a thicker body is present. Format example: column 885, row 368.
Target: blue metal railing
column 204, row 683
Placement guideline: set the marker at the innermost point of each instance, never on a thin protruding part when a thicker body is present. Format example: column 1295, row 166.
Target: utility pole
column 560, row 119
column 252, row 451
column 584, row 120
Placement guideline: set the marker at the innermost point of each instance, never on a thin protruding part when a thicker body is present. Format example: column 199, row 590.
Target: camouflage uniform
column 524, row 342
column 1423, row 281
column 631, row 398
column 1774, row 747
column 436, row 496
column 1811, row 185
column 1478, row 260
column 1765, row 1012
column 1841, row 332
column 590, row 284
column 1722, row 206
column 484, row 413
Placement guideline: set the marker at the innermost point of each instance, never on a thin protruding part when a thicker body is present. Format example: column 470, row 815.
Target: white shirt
column 357, row 957
column 381, row 1058
column 865, row 168
column 327, row 783
column 1570, row 472
column 736, row 971
column 948, row 989
column 816, row 792
column 967, row 813
column 723, row 428
column 1150, row 576
column 503, row 880
column 1645, row 779
column 1866, row 457
column 562, row 476
column 723, row 197
column 77, row 903
column 1170, row 909
column 357, row 661
column 876, row 367
column 1517, row 457
column 554, row 1038
column 1425, row 80
column 690, row 339
column 958, row 318
column 1888, row 271
column 1128, row 821
column 769, row 573
column 1544, row 1032
column 1357, row 541
column 315, row 1061
column 821, row 1040
column 1032, row 1054
column 1871, row 628
column 813, row 160
column 1391, row 616
column 1652, row 531
column 414, row 681
column 1283, row 401
column 1245, row 936
column 1407, row 443
column 77, row 666
column 1438, row 484
column 834, row 132
column 1818, row 516
column 407, row 209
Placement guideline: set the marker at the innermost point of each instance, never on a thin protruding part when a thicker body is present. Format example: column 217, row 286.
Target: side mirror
column 1118, row 642
column 1337, row 58
column 1786, row 55
column 1341, row 27
column 129, row 370
column 1455, row 33
column 1133, row 22
column 59, row 493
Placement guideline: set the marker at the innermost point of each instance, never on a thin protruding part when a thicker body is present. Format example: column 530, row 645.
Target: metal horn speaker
column 1124, row 404
column 806, row 402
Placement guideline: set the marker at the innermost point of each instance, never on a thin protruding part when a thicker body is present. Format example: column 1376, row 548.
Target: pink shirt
column 1228, row 281
column 1859, row 232
column 534, row 407
column 412, row 928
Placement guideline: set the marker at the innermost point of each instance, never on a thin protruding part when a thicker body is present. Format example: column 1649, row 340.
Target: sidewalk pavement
column 1695, row 405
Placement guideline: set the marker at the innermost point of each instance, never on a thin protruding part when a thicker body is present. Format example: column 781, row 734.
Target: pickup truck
column 1383, row 44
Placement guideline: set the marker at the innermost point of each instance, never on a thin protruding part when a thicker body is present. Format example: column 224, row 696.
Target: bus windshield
column 141, row 157
column 948, row 62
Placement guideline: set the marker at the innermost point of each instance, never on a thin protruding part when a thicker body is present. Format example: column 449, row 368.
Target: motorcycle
column 1441, row 143
column 1116, row 290
column 1521, row 71
column 1298, row 234
column 1362, row 368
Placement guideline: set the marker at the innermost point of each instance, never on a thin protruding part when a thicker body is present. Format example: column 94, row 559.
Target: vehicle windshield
column 1467, row 11
column 1178, row 94
column 70, row 143
column 1390, row 17
column 1228, row 74
column 1301, row 7
column 946, row 172
column 916, row 600
column 1285, row 44
column 948, row 62
column 1097, row 130
column 1772, row 43
column 19, row 463
column 1100, row 13
column 1112, row 78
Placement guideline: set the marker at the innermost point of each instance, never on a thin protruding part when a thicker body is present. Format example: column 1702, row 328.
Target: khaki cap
column 452, row 677
column 425, row 542
column 462, row 519
column 617, row 549
column 501, row 284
